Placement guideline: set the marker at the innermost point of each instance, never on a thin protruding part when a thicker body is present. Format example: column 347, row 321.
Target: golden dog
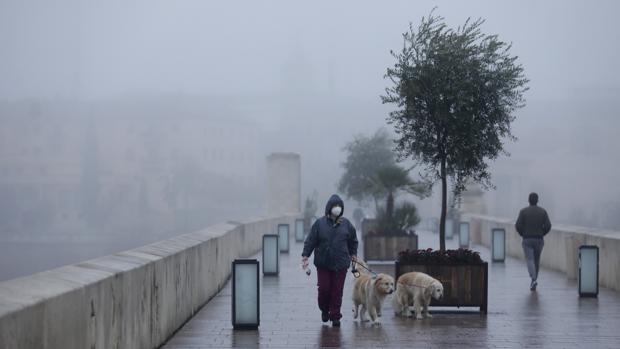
column 370, row 292
column 416, row 288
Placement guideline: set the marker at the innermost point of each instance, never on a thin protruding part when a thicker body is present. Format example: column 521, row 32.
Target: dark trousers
column 331, row 285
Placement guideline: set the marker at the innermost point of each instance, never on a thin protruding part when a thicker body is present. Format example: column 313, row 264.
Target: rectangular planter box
column 386, row 248
column 463, row 285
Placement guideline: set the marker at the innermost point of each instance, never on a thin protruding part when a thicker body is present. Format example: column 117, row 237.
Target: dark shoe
column 325, row 317
column 336, row 323
column 533, row 285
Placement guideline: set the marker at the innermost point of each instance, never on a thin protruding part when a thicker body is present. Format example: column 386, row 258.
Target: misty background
column 127, row 122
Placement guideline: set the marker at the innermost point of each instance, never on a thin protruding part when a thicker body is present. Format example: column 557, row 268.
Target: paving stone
column 552, row 317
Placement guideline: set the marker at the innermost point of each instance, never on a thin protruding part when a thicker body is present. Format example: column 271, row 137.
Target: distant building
column 147, row 166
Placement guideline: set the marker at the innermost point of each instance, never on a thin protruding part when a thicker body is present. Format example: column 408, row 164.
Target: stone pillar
column 473, row 200
column 283, row 183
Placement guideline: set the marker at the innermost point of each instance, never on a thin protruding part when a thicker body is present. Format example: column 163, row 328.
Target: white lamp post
column 498, row 243
column 283, row 233
column 271, row 254
column 588, row 271
column 464, row 235
column 245, row 297
column 299, row 230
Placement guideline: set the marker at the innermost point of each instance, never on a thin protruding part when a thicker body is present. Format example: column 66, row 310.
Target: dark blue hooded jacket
column 333, row 242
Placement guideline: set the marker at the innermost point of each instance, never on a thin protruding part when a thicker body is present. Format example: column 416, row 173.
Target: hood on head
column 333, row 201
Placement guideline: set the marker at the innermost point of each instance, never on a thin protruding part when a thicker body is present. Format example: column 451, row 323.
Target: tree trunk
column 376, row 202
column 444, row 193
column 389, row 207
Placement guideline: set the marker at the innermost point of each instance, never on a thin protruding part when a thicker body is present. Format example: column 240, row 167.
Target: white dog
column 416, row 288
column 370, row 292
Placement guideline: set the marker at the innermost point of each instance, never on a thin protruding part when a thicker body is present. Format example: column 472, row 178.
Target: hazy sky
column 308, row 76
column 287, row 50
column 96, row 49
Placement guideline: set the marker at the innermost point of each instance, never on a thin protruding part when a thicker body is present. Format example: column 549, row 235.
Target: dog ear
column 428, row 292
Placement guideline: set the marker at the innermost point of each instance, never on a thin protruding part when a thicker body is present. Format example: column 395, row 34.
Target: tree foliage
column 364, row 156
column 391, row 180
column 455, row 91
column 371, row 171
column 404, row 217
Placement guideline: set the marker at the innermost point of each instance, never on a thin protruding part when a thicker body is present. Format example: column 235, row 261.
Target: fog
column 125, row 122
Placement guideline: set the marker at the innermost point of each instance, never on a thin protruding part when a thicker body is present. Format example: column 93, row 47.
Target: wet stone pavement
column 552, row 317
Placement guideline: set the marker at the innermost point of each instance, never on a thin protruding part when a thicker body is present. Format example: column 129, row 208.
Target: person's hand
column 304, row 262
column 354, row 259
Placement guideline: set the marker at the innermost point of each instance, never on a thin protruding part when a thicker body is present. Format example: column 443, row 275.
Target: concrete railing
column 132, row 299
column 561, row 246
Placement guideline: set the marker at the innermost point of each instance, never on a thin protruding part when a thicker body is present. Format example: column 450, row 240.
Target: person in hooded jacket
column 334, row 242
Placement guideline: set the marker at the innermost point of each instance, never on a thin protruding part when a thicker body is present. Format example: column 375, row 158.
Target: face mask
column 336, row 211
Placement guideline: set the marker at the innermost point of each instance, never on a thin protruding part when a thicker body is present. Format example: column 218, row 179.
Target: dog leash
column 356, row 273
column 413, row 285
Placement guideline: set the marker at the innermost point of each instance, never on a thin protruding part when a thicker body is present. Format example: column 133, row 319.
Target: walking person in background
column 334, row 242
column 533, row 224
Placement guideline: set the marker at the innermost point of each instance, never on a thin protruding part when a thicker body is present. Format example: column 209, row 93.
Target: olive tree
column 455, row 91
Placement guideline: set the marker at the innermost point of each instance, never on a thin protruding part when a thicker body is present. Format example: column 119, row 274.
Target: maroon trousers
column 331, row 285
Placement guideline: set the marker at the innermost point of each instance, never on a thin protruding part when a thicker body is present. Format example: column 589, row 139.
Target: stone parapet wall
column 561, row 251
column 132, row 299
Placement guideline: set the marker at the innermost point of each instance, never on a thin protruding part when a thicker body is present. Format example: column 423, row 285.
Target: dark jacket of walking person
column 533, row 224
column 334, row 242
